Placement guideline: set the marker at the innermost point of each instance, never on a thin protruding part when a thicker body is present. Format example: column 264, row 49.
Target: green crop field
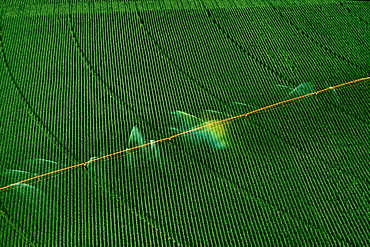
column 179, row 122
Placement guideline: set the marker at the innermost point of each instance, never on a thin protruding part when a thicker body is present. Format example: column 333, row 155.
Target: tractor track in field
column 243, row 49
column 32, row 112
column 39, row 122
column 266, row 66
column 332, row 53
column 317, row 43
column 348, row 10
column 172, row 63
column 13, row 225
column 93, row 72
column 110, row 92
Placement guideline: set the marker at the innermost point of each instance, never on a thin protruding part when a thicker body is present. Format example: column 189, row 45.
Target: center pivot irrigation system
column 204, row 127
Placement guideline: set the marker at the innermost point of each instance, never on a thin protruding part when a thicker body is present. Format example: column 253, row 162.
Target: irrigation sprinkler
column 194, row 130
